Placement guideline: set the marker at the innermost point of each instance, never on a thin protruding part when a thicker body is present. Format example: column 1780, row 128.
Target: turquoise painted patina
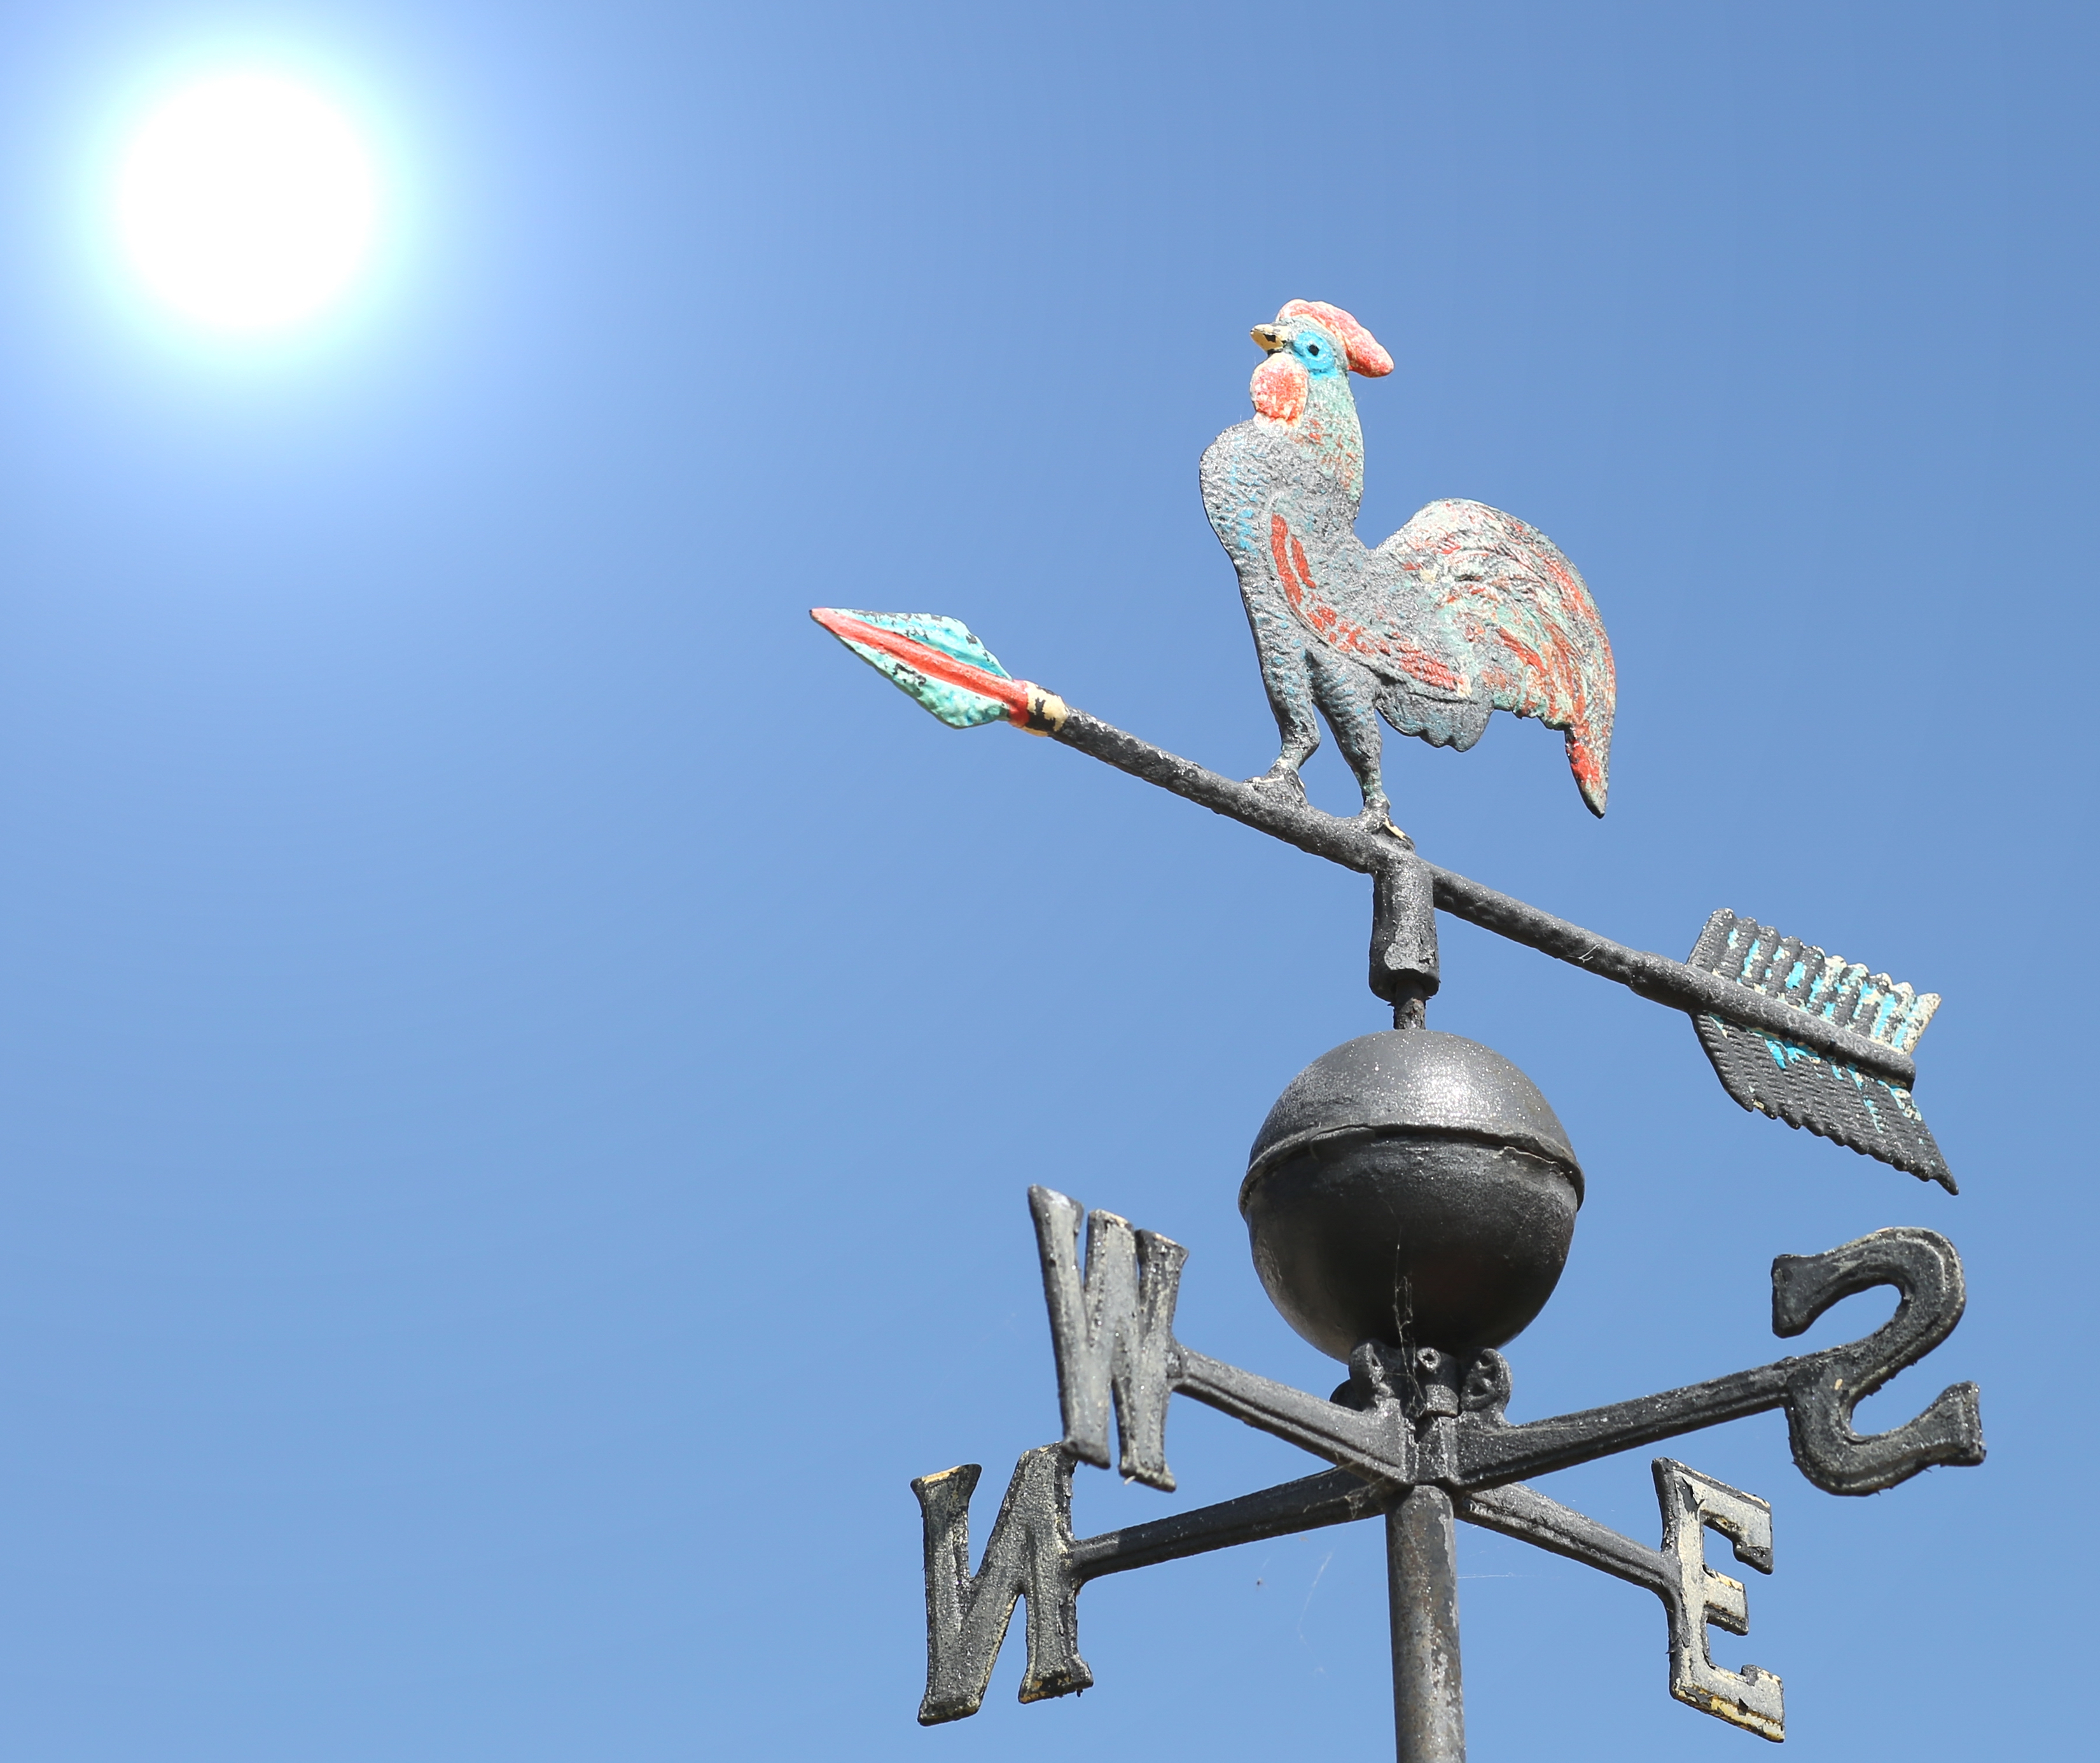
column 1464, row 611
column 1804, row 1088
column 956, row 704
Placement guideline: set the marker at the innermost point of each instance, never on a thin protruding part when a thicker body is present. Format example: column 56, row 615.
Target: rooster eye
column 1311, row 348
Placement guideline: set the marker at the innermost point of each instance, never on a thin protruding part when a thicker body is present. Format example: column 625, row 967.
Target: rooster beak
column 1270, row 339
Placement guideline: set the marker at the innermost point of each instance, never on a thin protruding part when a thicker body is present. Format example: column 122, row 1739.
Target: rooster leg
column 1289, row 683
column 1347, row 694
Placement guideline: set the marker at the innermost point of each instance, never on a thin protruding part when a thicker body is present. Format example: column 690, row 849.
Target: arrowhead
column 938, row 661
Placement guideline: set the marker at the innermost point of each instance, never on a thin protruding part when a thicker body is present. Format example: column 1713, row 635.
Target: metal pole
column 1422, row 1578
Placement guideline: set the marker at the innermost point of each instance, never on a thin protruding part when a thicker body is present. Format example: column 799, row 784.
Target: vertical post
column 1421, row 1576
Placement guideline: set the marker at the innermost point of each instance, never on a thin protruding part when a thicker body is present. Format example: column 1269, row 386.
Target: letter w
column 1028, row 1554
column 1113, row 1332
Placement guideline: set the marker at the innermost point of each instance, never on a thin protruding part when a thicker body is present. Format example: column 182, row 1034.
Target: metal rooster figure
column 1411, row 1198
column 1464, row 611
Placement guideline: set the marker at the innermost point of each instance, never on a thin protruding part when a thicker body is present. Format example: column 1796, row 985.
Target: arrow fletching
column 1802, row 1088
column 939, row 662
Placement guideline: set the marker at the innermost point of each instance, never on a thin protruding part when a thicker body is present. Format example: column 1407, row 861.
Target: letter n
column 1027, row 1555
column 1112, row 1331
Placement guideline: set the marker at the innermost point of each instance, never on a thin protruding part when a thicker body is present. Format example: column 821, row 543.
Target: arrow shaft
column 1356, row 847
column 1661, row 980
column 1346, row 842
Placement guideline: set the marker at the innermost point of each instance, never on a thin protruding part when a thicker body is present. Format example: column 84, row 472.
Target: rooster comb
column 1358, row 345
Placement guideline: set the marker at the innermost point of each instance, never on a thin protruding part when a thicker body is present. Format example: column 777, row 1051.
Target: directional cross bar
column 1418, row 1424
column 1676, row 1573
column 1421, row 1439
column 1031, row 1554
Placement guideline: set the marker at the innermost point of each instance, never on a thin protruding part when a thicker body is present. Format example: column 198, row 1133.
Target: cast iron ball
column 1410, row 1187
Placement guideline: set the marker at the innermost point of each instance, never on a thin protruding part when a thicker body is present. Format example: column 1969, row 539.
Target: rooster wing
column 1498, row 597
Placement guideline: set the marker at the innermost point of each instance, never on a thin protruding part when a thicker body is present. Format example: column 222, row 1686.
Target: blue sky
column 520, row 1062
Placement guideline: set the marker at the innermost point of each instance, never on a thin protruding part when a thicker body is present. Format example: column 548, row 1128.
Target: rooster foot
column 1377, row 817
column 1284, row 780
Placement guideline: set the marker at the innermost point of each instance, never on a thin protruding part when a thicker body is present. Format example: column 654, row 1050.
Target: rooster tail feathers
column 1590, row 759
column 1570, row 676
column 1525, row 618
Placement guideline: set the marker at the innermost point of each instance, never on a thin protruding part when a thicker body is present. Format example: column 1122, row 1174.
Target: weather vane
column 1411, row 1197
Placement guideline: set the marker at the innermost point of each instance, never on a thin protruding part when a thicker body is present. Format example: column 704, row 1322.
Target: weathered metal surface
column 1419, row 1432
column 1405, row 970
column 1412, row 1185
column 1026, row 1555
column 1824, row 1388
column 1474, row 1446
column 1032, row 1554
column 1818, row 1390
column 1691, row 1504
column 1691, row 1593
column 1112, row 1328
column 1464, row 612
column 1836, row 1042
column 1422, row 1592
column 1775, row 1075
column 1353, row 846
column 1438, row 1084
column 1311, row 1503
column 1516, row 1510
column 1367, row 850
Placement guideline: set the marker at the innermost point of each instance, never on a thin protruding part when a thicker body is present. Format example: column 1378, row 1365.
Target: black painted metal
column 1476, row 1448
column 1368, row 849
column 1333, row 1496
column 1423, row 1084
column 1410, row 1201
column 1404, row 968
column 1865, row 1112
column 1336, row 1496
column 1411, row 1185
column 1421, row 1590
column 1392, row 1237
column 1115, row 1324
column 1418, row 1432
column 967, row 1614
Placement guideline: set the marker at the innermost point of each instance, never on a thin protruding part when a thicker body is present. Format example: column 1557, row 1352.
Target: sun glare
column 246, row 202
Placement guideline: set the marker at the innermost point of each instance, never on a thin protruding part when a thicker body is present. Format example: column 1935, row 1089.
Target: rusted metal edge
column 1355, row 844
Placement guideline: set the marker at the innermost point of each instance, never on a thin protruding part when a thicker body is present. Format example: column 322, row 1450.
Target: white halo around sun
column 247, row 201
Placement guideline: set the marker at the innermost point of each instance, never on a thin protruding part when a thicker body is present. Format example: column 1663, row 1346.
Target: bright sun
column 247, row 201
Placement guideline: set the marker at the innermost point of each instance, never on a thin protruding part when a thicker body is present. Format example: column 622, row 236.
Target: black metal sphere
column 1410, row 1182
